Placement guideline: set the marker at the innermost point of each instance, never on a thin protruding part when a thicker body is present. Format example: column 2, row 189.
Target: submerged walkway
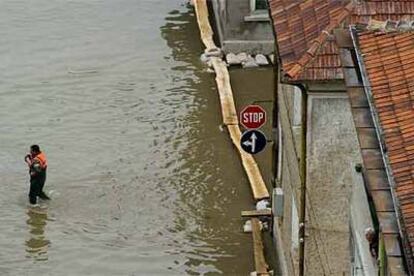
column 228, row 108
column 230, row 120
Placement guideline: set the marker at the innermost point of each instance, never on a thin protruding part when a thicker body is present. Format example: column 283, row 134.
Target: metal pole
column 277, row 80
column 302, row 218
column 275, row 130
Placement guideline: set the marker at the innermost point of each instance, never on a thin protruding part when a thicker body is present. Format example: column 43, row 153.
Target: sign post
column 253, row 117
column 253, row 141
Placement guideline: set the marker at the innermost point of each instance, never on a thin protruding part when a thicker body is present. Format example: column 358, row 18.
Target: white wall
column 360, row 220
column 332, row 152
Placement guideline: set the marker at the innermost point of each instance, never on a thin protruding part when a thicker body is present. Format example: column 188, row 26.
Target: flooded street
column 143, row 181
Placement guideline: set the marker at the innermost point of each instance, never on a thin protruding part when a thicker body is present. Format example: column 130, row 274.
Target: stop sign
column 253, row 116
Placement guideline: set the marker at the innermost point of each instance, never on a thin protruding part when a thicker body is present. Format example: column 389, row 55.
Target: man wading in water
column 37, row 163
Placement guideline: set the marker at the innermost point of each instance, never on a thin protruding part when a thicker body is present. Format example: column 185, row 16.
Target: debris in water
column 262, row 205
column 213, row 52
column 250, row 63
column 247, row 227
column 261, row 60
column 233, row 59
column 84, row 71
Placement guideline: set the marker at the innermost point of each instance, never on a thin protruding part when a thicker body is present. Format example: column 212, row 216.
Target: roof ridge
column 318, row 42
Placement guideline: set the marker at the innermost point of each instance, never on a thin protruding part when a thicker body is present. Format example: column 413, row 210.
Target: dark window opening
column 261, row 5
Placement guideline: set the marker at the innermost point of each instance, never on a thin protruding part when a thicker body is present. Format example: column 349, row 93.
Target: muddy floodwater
column 142, row 179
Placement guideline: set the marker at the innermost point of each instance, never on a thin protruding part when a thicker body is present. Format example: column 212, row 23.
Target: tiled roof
column 317, row 68
column 389, row 65
column 397, row 254
column 383, row 10
column 303, row 29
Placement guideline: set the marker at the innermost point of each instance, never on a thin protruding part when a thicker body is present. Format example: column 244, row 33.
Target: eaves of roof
column 388, row 68
column 303, row 30
column 385, row 68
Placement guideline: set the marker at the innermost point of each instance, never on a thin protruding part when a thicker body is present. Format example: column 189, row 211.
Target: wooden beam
column 259, row 259
column 203, row 23
column 230, row 119
column 256, row 213
column 228, row 108
column 257, row 183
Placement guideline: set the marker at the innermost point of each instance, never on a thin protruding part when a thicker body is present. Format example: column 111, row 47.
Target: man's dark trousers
column 36, row 187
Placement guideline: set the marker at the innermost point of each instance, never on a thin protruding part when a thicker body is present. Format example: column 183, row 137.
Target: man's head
column 370, row 234
column 34, row 150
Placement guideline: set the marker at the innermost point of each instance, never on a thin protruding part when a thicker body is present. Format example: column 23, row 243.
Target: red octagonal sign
column 253, row 116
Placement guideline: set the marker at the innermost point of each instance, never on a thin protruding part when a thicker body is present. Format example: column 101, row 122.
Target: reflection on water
column 37, row 244
column 212, row 186
column 115, row 93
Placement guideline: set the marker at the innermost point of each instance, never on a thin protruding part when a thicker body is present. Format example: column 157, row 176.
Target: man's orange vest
column 41, row 158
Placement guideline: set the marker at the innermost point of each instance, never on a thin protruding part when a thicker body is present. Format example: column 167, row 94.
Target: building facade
column 337, row 211
column 339, row 207
column 243, row 26
column 315, row 111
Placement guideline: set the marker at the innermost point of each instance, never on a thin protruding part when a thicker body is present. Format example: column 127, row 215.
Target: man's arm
column 36, row 168
column 28, row 160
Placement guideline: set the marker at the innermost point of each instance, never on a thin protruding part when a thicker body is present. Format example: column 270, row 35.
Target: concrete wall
column 289, row 179
column 363, row 263
column 333, row 151
column 240, row 30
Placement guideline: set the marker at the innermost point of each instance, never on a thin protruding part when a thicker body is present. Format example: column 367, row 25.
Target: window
column 297, row 119
column 297, row 107
column 258, row 11
column 260, row 5
column 295, row 225
column 279, row 150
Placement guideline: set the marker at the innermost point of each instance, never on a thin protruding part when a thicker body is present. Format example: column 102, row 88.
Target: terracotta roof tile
column 388, row 58
column 302, row 27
